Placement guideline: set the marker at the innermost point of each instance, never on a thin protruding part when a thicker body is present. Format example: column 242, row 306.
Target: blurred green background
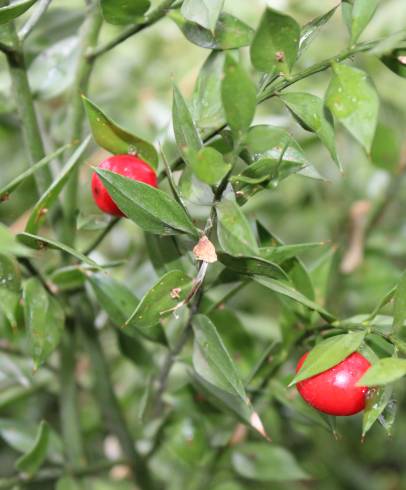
column 133, row 84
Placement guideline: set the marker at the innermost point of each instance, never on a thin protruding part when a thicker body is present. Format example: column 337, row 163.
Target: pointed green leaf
column 9, row 245
column 30, row 462
column 37, row 215
column 310, row 111
column 286, row 290
column 10, row 12
column 354, row 102
column 186, row 134
column 119, row 303
column 6, row 190
column 10, row 282
column 207, row 107
column 229, row 33
column 284, row 252
column 202, row 12
column 312, row 28
column 208, row 164
column 40, row 243
column 150, row 208
column 399, row 305
column 329, row 353
column 123, row 12
column 216, row 372
column 376, row 401
column 266, row 462
column 251, row 266
column 276, row 43
column 211, row 359
column 362, row 13
column 239, row 98
column 383, row 372
column 114, row 139
column 161, row 300
column 233, row 230
column 44, row 318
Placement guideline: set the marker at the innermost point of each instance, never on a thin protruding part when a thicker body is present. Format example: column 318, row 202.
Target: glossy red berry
column 334, row 391
column 128, row 165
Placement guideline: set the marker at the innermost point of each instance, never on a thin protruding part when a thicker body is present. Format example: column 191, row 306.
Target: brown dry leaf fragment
column 175, row 293
column 204, row 250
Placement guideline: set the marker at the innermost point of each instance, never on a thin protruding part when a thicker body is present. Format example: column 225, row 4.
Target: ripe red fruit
column 128, row 165
column 334, row 391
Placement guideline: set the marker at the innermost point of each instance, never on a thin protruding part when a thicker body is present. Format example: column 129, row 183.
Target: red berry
column 334, row 391
column 128, row 165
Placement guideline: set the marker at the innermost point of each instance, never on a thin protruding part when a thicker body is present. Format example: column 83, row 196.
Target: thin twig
column 36, row 16
column 102, row 235
column 158, row 13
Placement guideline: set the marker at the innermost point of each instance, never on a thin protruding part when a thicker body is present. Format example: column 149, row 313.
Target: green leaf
column 216, row 372
column 30, row 462
column 9, row 245
column 264, row 462
column 186, row 134
column 310, row 111
column 10, row 12
column 208, row 164
column 163, row 253
column 119, row 303
column 116, row 140
column 399, row 305
column 40, row 243
column 21, row 435
column 10, row 282
column 276, row 42
column 376, row 401
column 354, row 102
column 362, row 13
column 6, row 190
column 52, row 71
column 383, row 372
column 150, row 208
column 44, row 318
column 229, row 33
column 207, row 107
column 238, row 93
column 161, row 300
column 311, row 29
column 211, row 359
column 386, row 148
column 286, row 290
column 276, row 154
column 329, row 353
column 395, row 62
column 37, row 215
column 123, row 12
column 234, row 231
column 202, row 12
column 251, row 266
column 284, row 252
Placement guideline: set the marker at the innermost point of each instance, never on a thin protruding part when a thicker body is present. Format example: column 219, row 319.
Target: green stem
column 69, row 413
column 90, row 33
column 107, row 399
column 25, row 106
column 156, row 14
column 39, row 11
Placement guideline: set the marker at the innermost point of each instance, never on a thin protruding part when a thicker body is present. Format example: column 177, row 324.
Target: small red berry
column 128, row 165
column 334, row 391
